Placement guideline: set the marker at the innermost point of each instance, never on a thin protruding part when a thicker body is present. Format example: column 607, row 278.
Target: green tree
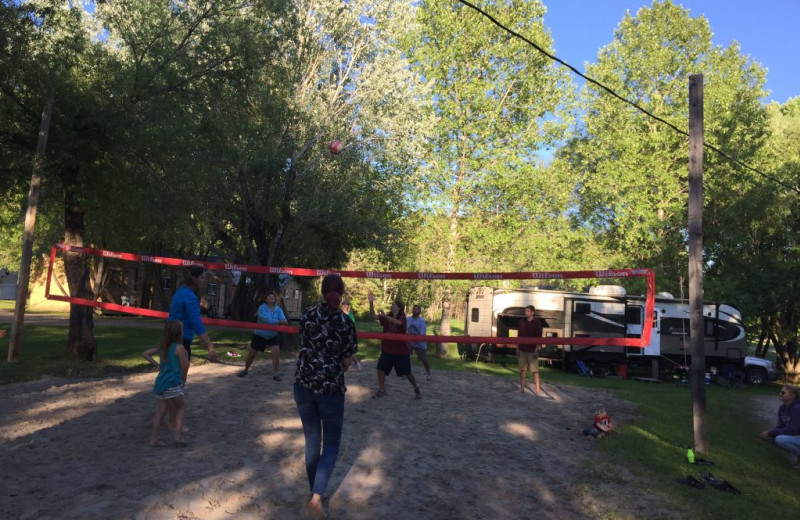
column 337, row 73
column 497, row 102
column 759, row 255
column 633, row 188
column 130, row 83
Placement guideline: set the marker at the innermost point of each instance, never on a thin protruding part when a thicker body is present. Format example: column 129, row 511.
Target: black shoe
column 719, row 484
column 703, row 462
column 730, row 489
column 690, row 481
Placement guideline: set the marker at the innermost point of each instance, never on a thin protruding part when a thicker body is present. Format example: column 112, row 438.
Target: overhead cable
column 624, row 100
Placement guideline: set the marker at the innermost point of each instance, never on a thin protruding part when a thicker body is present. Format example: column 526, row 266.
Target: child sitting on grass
column 173, row 369
column 602, row 424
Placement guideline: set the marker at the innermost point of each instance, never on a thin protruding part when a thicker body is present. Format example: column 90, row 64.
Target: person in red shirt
column 528, row 355
column 602, row 424
column 394, row 353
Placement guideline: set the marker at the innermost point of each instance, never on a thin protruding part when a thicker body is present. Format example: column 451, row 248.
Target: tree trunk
column 81, row 343
column 444, row 325
column 30, row 223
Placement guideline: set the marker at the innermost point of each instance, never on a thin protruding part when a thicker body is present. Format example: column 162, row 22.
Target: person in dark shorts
column 271, row 313
column 528, row 355
column 395, row 354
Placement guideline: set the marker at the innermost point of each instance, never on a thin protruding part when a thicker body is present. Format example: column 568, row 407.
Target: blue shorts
column 400, row 362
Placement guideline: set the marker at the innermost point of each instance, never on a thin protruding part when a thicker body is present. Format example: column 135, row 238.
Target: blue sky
column 767, row 30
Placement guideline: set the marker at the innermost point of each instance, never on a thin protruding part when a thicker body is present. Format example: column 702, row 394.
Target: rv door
column 654, row 347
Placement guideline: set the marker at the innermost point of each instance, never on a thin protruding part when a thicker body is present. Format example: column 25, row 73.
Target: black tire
column 597, row 369
column 601, row 370
column 755, row 376
column 470, row 350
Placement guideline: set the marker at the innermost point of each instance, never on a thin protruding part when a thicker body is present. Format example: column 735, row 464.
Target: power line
column 624, row 100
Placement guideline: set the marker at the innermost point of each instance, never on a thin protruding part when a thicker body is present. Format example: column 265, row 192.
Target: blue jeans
column 322, row 417
column 790, row 443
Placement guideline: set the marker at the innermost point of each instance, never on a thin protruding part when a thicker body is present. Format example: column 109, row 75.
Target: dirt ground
column 473, row 447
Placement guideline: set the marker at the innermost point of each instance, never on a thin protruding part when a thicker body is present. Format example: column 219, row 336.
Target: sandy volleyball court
column 473, row 448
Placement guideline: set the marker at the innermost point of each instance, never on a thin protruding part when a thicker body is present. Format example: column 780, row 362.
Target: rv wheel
column 470, row 350
column 599, row 369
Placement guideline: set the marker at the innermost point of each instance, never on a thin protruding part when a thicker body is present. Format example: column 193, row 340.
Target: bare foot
column 172, row 428
column 521, row 390
column 315, row 508
column 157, row 444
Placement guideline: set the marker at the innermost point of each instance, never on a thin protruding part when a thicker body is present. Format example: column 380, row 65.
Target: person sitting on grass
column 602, row 424
column 786, row 435
column 172, row 371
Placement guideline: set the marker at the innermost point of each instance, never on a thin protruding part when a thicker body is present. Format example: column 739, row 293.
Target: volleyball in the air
column 335, row 147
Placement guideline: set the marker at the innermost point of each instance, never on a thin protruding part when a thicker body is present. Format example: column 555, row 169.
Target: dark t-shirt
column 393, row 346
column 529, row 329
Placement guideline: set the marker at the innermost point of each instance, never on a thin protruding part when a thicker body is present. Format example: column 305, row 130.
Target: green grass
column 651, row 450
column 43, row 352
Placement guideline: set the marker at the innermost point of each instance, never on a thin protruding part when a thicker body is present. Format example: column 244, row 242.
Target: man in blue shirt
column 415, row 325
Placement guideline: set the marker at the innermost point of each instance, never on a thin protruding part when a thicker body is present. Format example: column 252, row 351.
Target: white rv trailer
column 603, row 312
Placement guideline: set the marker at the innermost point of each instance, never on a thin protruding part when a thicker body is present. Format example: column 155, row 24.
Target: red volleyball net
column 131, row 308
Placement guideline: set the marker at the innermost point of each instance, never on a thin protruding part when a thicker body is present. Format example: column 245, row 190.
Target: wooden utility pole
column 697, row 378
column 24, row 275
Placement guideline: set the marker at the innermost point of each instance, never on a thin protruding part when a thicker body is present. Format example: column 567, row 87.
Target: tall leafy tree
column 758, row 255
column 497, row 104
column 128, row 89
column 633, row 170
column 338, row 73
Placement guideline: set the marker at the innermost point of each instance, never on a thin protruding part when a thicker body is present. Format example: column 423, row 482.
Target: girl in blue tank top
column 172, row 370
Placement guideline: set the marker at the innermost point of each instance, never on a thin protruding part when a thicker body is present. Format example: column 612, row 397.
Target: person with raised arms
column 395, row 354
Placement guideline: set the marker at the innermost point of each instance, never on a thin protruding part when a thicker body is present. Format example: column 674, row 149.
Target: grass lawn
column 652, row 450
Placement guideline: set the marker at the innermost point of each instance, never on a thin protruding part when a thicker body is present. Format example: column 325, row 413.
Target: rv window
column 475, row 315
column 724, row 331
column 551, row 335
column 709, row 328
column 633, row 315
column 583, row 308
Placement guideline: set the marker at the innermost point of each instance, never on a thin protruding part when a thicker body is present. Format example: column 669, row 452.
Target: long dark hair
column 332, row 290
column 401, row 309
column 172, row 333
